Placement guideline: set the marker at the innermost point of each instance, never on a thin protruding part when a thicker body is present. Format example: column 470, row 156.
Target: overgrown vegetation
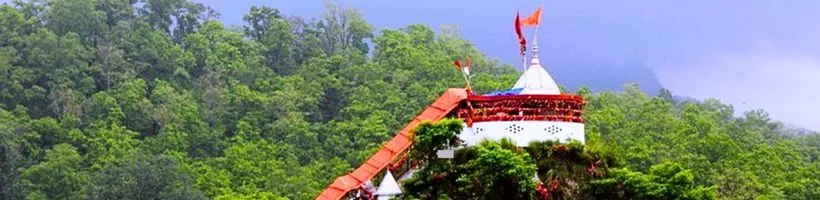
column 155, row 99
column 501, row 170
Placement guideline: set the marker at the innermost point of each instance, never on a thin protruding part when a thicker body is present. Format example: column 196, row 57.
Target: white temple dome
column 388, row 187
column 536, row 80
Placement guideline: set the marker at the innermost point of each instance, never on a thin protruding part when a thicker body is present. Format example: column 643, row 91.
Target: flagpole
column 467, row 77
column 537, row 27
column 535, row 37
column 524, row 65
column 524, row 62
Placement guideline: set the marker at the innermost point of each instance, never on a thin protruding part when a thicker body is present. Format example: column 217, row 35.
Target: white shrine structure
column 533, row 110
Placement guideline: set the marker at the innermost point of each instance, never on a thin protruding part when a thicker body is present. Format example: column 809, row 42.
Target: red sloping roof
column 439, row 109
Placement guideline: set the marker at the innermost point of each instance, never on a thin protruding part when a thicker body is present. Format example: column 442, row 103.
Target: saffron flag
column 534, row 19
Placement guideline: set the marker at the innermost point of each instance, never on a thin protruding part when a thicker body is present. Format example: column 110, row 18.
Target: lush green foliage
column 745, row 157
column 154, row 99
column 488, row 171
column 664, row 181
column 500, row 170
column 431, row 137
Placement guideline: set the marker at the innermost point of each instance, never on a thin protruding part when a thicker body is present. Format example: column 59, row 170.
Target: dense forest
column 156, row 99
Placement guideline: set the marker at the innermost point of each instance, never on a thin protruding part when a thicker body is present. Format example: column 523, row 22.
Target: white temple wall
column 523, row 132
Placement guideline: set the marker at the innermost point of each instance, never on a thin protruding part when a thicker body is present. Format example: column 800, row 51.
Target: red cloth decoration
column 592, row 169
column 521, row 40
column 457, row 64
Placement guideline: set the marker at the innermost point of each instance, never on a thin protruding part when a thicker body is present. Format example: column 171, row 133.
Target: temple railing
column 557, row 108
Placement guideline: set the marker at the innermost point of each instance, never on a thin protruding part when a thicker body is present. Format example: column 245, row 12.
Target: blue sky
column 753, row 54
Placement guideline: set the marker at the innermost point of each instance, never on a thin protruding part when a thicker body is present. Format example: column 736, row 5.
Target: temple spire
column 536, row 80
column 534, row 60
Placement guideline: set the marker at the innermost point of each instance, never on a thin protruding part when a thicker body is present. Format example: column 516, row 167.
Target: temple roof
column 536, row 80
column 388, row 186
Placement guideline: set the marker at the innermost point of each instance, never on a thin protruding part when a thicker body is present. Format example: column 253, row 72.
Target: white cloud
column 784, row 83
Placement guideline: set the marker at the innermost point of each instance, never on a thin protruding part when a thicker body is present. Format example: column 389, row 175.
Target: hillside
column 155, row 99
column 599, row 78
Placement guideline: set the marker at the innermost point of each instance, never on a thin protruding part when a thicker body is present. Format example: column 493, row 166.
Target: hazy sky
column 751, row 53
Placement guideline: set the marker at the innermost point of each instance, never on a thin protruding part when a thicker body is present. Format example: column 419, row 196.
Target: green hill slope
column 154, row 99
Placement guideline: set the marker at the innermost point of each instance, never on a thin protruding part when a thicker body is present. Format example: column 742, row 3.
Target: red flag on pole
column 521, row 40
column 518, row 26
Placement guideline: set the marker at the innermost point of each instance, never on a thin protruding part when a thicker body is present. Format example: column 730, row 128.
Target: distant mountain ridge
column 605, row 78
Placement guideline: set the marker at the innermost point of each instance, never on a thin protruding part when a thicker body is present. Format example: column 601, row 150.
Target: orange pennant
column 457, row 64
column 534, row 19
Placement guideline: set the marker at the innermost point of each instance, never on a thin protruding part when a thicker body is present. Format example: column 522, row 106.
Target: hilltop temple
column 534, row 109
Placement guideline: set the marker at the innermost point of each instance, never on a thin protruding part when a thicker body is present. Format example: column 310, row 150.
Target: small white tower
column 388, row 187
column 536, row 80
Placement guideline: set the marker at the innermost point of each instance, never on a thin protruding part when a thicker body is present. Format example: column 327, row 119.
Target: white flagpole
column 537, row 26
column 524, row 66
column 534, row 48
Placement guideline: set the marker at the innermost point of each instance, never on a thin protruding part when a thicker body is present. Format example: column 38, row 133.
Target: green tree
column 182, row 128
column 143, row 175
column 498, row 172
column 489, row 171
column 80, row 17
column 343, row 28
column 190, row 17
column 664, row 181
column 116, row 11
column 59, row 62
column 268, row 27
column 159, row 13
column 60, row 176
column 14, row 152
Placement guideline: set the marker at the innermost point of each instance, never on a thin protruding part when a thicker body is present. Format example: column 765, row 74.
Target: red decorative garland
column 543, row 192
column 559, row 108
